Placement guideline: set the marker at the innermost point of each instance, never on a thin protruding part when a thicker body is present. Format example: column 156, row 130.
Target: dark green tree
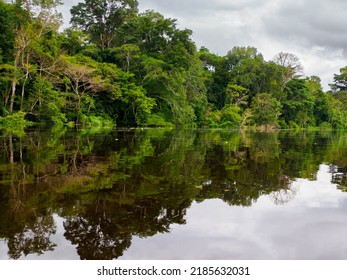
column 102, row 18
column 167, row 67
column 298, row 105
column 216, row 77
column 340, row 80
column 11, row 18
column 321, row 106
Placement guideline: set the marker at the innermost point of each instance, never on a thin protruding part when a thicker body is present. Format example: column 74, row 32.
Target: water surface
column 173, row 194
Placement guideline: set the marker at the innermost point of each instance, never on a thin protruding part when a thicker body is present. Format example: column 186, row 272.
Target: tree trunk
column 13, row 94
column 26, row 67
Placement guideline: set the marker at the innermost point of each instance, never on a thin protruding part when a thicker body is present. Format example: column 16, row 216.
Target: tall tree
column 249, row 72
column 238, row 54
column 340, row 80
column 216, row 77
column 167, row 66
column 292, row 67
column 102, row 18
column 299, row 103
column 43, row 18
column 321, row 108
column 11, row 18
column 83, row 81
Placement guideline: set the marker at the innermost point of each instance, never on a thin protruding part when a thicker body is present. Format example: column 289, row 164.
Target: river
column 173, row 194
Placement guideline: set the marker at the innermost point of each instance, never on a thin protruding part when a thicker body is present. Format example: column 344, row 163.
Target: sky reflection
column 311, row 226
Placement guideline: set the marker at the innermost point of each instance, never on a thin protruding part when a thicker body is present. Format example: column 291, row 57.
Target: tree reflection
column 283, row 196
column 241, row 175
column 339, row 177
column 97, row 238
column 26, row 230
column 106, row 232
column 34, row 238
column 113, row 186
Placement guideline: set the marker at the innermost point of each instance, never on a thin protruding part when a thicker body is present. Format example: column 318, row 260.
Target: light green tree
column 265, row 109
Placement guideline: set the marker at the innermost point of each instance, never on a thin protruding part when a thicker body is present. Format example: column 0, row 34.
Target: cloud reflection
column 301, row 229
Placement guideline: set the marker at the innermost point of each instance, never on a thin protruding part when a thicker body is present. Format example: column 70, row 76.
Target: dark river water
column 173, row 194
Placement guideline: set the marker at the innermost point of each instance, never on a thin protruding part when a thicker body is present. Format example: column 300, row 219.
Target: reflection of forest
column 339, row 177
column 112, row 186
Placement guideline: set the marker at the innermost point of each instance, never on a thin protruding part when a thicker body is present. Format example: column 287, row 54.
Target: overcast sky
column 314, row 30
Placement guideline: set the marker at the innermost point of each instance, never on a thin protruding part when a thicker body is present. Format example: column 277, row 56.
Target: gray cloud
column 199, row 8
column 310, row 23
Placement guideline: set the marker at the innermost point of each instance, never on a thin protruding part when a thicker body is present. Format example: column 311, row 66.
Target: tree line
column 115, row 65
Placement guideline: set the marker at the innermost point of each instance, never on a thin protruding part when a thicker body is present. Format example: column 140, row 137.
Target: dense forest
column 116, row 66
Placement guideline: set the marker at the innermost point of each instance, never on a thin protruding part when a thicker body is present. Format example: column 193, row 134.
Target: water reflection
column 312, row 226
column 112, row 188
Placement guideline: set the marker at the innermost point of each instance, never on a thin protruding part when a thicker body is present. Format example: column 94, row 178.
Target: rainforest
column 120, row 138
column 115, row 66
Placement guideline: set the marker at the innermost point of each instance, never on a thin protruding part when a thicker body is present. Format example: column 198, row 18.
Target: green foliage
column 236, row 95
column 325, row 126
column 195, row 88
column 14, row 119
column 336, row 114
column 46, row 104
column 248, row 70
column 97, row 122
column 11, row 18
column 134, row 104
column 142, row 70
column 340, row 80
column 321, row 108
column 73, row 41
column 156, row 120
column 299, row 104
column 212, row 118
column 113, row 14
column 216, row 77
column 230, row 117
column 15, row 123
column 140, row 105
column 127, row 55
column 265, row 109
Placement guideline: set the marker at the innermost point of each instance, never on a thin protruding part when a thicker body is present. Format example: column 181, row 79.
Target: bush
column 230, row 116
column 15, row 120
column 325, row 126
column 157, row 121
column 97, row 122
column 15, row 123
column 294, row 125
column 282, row 123
column 212, row 118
